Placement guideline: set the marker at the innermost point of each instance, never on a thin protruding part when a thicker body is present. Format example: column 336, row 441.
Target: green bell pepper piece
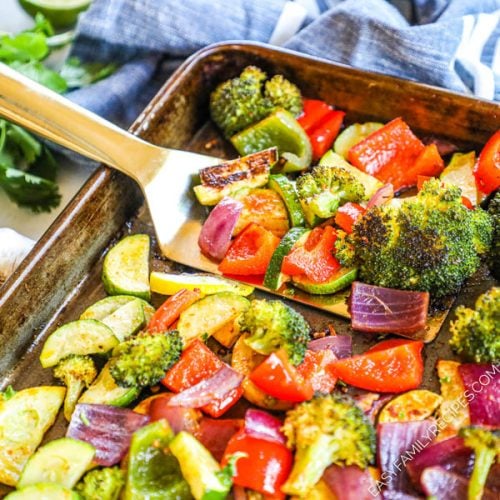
column 282, row 130
column 153, row 471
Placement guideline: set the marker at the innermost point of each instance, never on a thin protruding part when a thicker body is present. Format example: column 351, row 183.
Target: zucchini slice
column 210, row 314
column 413, row 405
column 44, row 491
column 125, row 269
column 354, row 134
column 24, row 419
column 231, row 176
column 83, row 336
column 274, row 278
column 341, row 279
column 105, row 391
column 286, row 189
column 104, row 307
column 62, row 461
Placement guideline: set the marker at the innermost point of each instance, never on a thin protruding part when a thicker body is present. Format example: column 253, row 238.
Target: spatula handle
column 56, row 118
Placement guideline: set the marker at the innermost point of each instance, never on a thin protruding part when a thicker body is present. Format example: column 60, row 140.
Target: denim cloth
column 449, row 43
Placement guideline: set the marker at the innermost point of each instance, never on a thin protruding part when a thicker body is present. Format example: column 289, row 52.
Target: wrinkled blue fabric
column 417, row 40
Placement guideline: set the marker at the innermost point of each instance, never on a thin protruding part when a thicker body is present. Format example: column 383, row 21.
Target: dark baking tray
column 61, row 276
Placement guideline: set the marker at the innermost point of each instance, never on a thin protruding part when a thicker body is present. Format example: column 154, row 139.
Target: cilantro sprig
column 27, row 168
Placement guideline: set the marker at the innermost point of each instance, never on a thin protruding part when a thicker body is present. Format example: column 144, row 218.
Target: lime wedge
column 169, row 283
column 61, row 13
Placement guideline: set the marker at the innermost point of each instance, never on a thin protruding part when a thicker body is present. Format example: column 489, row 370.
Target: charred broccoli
column 238, row 103
column 273, row 325
column 142, row 360
column 476, row 332
column 101, row 484
column 77, row 372
column 326, row 430
column 486, row 446
column 322, row 191
column 428, row 243
column 494, row 255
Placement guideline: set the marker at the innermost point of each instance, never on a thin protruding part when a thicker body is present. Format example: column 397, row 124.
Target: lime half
column 61, row 13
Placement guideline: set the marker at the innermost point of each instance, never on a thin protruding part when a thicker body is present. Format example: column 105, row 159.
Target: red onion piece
column 262, row 425
column 214, row 434
column 371, row 403
column 440, row 483
column 397, row 445
column 351, row 483
column 450, row 454
column 107, row 428
column 387, row 310
column 216, row 387
column 340, row 345
column 179, row 418
column 382, row 196
column 444, row 485
column 444, row 147
column 215, row 235
column 482, row 391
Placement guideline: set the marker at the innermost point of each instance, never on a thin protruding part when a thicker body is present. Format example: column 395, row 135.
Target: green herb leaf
column 40, row 195
column 7, row 394
column 78, row 74
column 24, row 47
column 41, row 74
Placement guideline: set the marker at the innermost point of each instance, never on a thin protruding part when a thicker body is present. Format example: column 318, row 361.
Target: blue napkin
column 449, row 43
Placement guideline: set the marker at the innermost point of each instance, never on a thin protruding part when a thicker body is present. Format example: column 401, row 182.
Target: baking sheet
column 61, row 276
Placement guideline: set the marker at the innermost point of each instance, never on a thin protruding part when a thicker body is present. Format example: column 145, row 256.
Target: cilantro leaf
column 24, row 47
column 41, row 74
column 7, row 394
column 27, row 190
column 78, row 74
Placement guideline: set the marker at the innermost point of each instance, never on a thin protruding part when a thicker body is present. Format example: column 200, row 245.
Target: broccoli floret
column 273, row 325
column 475, row 332
column 326, row 430
column 284, row 94
column 323, row 190
column 101, row 484
column 143, row 360
column 486, row 446
column 494, row 255
column 242, row 101
column 428, row 243
column 77, row 372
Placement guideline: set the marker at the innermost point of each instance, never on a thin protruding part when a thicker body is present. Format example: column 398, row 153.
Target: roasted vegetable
column 143, row 360
column 322, row 191
column 326, row 430
column 101, row 484
column 242, row 101
column 273, row 325
column 475, row 332
column 486, row 446
column 494, row 255
column 429, row 243
column 77, row 373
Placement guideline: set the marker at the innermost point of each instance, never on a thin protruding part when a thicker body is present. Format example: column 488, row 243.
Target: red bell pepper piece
column 316, row 368
column 390, row 366
column 323, row 135
column 487, row 168
column 214, row 434
column 390, row 154
column 428, row 162
column 347, row 215
column 180, row 419
column 265, row 465
column 322, row 124
column 277, row 377
column 313, row 112
column 197, row 363
column 166, row 315
column 250, row 252
column 315, row 259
